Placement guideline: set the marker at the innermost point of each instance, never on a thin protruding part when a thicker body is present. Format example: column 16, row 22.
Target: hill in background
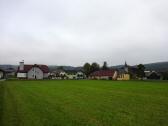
column 158, row 66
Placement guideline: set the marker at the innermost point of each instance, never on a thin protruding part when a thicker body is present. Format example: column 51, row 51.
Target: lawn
column 83, row 103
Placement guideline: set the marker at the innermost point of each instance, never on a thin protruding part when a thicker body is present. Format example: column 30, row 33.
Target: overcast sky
column 72, row 32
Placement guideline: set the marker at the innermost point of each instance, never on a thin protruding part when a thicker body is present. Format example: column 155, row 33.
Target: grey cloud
column 73, row 32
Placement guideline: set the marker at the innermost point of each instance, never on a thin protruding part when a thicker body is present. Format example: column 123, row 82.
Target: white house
column 80, row 75
column 32, row 71
column 72, row 74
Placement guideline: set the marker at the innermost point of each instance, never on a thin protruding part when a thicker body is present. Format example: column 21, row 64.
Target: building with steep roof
column 123, row 73
column 35, row 71
column 104, row 74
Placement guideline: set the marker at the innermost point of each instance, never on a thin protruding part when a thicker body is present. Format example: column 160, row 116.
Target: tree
column 164, row 75
column 105, row 67
column 140, row 72
column 94, row 67
column 86, row 69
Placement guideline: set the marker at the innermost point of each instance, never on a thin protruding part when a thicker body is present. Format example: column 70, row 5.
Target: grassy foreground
column 87, row 103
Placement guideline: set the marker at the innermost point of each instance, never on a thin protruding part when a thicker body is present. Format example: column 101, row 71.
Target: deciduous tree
column 140, row 72
column 86, row 69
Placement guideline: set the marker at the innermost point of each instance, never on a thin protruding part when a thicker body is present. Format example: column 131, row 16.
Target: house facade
column 104, row 75
column 32, row 71
column 123, row 73
column 75, row 75
column 123, row 76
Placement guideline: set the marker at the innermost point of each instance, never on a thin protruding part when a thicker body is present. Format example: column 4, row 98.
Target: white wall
column 35, row 73
column 115, row 75
column 45, row 75
column 21, row 75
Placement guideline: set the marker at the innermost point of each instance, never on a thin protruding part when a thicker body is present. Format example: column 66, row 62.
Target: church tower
column 126, row 67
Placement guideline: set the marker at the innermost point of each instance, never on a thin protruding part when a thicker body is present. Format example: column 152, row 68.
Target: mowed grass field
column 83, row 103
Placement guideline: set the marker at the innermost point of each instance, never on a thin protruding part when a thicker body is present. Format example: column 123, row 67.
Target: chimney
column 21, row 66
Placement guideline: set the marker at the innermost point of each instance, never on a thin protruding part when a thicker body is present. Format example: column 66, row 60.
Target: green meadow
column 83, row 103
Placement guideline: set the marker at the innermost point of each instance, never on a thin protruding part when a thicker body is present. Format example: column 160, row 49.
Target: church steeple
column 126, row 64
column 126, row 67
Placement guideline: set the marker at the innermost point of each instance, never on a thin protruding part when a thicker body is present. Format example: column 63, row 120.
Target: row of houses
column 38, row 71
column 42, row 72
column 124, row 73
column 68, row 74
column 25, row 71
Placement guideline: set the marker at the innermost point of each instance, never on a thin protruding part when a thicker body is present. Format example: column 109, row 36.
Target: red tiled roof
column 44, row 68
column 103, row 73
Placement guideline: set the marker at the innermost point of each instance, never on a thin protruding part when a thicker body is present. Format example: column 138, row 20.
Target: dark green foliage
column 140, row 71
column 94, row 67
column 164, row 75
column 105, row 67
column 86, row 69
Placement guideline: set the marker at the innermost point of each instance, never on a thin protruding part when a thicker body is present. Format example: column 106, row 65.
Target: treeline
column 90, row 68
